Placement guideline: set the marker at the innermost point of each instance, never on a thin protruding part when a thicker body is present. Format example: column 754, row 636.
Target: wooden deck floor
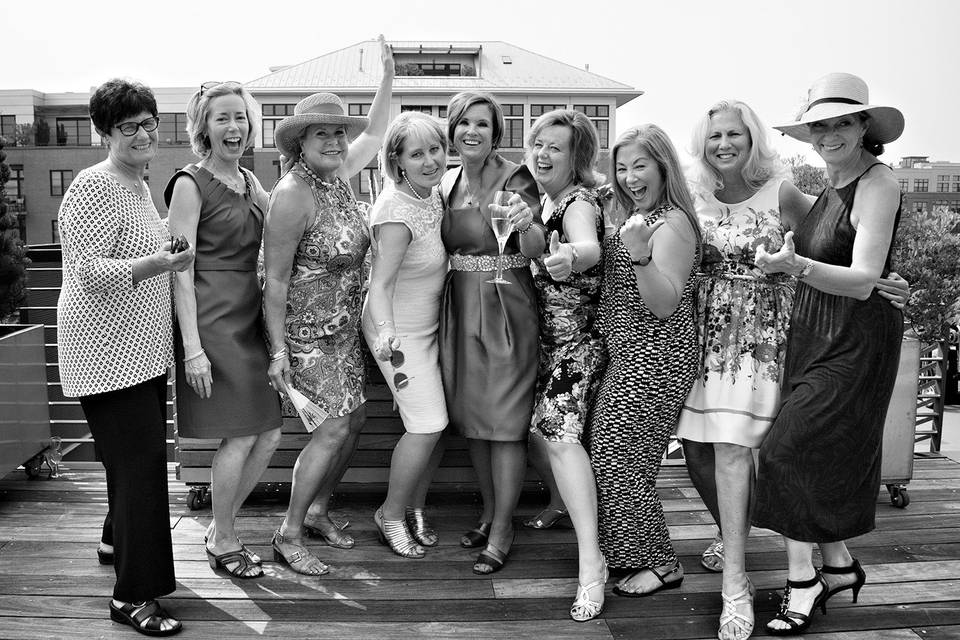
column 52, row 586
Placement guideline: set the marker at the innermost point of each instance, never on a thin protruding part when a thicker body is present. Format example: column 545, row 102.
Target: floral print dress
column 324, row 301
column 571, row 350
column 742, row 319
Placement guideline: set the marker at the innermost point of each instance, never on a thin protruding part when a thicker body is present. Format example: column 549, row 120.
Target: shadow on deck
column 52, row 586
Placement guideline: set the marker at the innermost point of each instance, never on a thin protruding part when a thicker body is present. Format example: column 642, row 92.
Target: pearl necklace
column 313, row 175
column 419, row 197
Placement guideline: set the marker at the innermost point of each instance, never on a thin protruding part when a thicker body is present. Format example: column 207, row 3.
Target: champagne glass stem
column 500, row 264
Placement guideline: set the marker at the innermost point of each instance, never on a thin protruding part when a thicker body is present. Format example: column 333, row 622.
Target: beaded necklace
column 419, row 197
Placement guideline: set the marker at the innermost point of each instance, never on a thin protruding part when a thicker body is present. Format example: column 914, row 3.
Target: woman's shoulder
column 291, row 190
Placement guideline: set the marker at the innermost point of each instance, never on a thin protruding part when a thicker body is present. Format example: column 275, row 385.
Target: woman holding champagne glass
column 488, row 340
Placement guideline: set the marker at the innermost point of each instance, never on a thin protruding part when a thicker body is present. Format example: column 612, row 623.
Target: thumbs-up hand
column 559, row 262
column 783, row 261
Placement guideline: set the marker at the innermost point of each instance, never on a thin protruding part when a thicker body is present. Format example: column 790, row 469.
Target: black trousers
column 129, row 432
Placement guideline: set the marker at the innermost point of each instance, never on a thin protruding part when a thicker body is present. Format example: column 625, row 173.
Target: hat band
column 834, row 101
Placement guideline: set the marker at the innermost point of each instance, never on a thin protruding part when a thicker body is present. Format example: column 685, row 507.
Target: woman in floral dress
column 315, row 242
column 561, row 151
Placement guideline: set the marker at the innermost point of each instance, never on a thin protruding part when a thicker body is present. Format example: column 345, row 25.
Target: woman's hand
column 179, row 261
column 199, row 375
column 279, row 374
column 559, row 263
column 517, row 209
column 895, row 289
column 386, row 55
column 385, row 344
column 635, row 235
column 785, row 260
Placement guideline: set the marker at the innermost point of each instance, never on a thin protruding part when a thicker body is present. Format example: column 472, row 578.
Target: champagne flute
column 502, row 228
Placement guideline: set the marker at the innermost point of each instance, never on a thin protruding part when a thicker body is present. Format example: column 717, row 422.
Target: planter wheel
column 32, row 466
column 198, row 497
column 898, row 495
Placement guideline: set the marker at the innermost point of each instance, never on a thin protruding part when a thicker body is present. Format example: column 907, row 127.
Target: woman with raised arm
column 315, row 241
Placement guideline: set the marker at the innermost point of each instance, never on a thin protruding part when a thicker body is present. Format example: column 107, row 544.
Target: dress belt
column 459, row 262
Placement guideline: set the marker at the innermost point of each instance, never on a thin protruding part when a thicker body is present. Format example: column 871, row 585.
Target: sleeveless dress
column 229, row 315
column 819, row 471
column 324, row 299
column 571, row 351
column 416, row 309
column 488, row 332
column 652, row 364
column 742, row 318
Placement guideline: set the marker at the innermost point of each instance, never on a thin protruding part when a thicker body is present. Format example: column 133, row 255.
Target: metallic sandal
column 712, row 557
column 301, row 560
column 420, row 529
column 739, row 622
column 395, row 535
column 583, row 608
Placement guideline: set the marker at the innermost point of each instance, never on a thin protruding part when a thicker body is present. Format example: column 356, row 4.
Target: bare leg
column 481, row 458
column 701, row 465
column 257, row 463
column 508, row 464
column 541, row 460
column 317, row 509
column 408, row 465
column 419, row 497
column 226, row 472
column 734, row 472
column 835, row 554
column 577, row 487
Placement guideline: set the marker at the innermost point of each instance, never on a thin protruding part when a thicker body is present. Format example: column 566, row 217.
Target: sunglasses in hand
column 400, row 380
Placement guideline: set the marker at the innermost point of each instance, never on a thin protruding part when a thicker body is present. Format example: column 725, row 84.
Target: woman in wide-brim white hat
column 315, row 242
column 819, row 468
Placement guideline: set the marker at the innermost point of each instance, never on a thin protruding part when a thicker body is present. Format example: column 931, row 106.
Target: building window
column 599, row 115
column 941, row 203
column 904, row 185
column 919, row 207
column 434, row 68
column 55, row 231
column 943, row 184
column 73, row 132
column 921, row 185
column 358, row 109
column 422, row 108
column 537, row 110
column 14, row 186
column 173, row 128
column 8, row 128
column 442, row 112
column 60, row 179
column 512, row 126
column 956, row 184
column 955, row 205
column 272, row 114
column 369, row 183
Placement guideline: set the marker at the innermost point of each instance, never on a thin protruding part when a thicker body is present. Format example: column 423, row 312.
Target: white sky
column 684, row 54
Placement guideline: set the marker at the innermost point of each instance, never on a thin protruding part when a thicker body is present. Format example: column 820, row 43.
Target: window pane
column 268, row 126
column 358, row 109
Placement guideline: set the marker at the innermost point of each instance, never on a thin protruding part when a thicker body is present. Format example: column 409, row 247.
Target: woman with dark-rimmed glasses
column 114, row 341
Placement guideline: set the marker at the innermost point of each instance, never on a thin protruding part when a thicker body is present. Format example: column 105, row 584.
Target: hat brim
column 886, row 123
column 286, row 136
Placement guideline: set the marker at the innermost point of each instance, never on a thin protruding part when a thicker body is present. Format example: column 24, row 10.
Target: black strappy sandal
column 239, row 560
column 798, row 621
column 476, row 537
column 856, row 585
column 664, row 585
column 145, row 617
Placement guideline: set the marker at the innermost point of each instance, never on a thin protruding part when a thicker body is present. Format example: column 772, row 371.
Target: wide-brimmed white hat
column 318, row 108
column 840, row 94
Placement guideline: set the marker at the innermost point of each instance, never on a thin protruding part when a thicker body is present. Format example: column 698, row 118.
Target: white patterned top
column 112, row 333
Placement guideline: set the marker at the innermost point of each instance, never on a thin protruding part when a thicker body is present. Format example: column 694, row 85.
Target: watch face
column 641, row 262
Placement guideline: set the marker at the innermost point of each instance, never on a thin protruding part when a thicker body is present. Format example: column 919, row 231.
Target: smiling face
column 728, row 143
column 324, row 148
column 639, row 176
column 550, row 160
column 227, row 126
column 473, row 135
column 422, row 161
column 133, row 151
column 838, row 139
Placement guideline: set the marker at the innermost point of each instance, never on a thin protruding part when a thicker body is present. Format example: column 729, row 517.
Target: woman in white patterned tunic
column 315, row 241
column 115, row 345
column 401, row 317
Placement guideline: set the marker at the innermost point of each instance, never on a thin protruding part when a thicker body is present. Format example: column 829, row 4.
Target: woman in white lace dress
column 401, row 316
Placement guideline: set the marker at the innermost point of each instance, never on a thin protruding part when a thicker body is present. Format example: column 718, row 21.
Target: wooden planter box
column 24, row 409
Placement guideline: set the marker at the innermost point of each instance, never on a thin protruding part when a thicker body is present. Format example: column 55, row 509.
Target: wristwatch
column 642, row 261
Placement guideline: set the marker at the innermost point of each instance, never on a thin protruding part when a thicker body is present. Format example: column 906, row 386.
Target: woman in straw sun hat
column 315, row 242
column 819, row 470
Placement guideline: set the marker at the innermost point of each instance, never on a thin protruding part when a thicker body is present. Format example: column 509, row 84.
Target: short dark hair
column 464, row 100
column 116, row 100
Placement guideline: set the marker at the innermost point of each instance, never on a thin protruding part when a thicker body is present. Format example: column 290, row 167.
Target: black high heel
column 798, row 621
column 855, row 586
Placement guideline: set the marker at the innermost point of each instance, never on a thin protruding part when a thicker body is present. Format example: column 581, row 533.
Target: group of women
column 614, row 325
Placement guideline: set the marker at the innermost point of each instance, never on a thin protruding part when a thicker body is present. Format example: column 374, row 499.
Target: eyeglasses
column 206, row 86
column 400, row 380
column 130, row 128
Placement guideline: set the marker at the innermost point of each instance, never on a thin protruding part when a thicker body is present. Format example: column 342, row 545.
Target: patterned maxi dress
column 571, row 351
column 742, row 321
column 652, row 364
column 324, row 301
column 819, row 471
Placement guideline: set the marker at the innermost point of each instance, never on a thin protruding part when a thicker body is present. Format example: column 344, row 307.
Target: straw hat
column 840, row 94
column 319, row 108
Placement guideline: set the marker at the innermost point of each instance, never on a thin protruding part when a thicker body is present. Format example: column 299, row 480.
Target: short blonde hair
column 403, row 127
column 199, row 108
column 584, row 142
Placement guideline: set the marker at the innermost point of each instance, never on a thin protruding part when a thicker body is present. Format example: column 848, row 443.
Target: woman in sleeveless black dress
column 819, row 470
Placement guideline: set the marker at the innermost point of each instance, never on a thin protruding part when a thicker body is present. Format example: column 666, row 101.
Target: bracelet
column 523, row 231
column 576, row 255
column 806, row 269
column 194, row 356
column 384, row 322
column 641, row 261
column 280, row 354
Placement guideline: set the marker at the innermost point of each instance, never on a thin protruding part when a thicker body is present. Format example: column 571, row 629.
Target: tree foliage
column 13, row 254
column 809, row 179
column 926, row 253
